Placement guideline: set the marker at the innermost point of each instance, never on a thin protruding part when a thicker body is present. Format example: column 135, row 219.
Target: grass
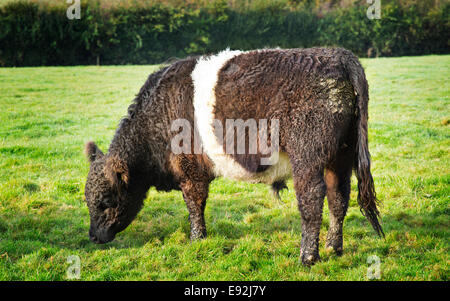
column 49, row 113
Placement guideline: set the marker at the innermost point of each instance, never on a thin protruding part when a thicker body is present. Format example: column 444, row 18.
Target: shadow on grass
column 24, row 233
column 31, row 187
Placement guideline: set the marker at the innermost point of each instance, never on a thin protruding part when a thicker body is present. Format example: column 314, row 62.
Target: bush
column 34, row 33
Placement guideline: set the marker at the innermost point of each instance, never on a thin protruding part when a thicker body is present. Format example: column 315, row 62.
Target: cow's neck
column 130, row 149
column 142, row 156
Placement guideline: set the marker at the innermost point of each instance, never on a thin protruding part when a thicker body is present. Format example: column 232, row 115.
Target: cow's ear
column 116, row 170
column 92, row 151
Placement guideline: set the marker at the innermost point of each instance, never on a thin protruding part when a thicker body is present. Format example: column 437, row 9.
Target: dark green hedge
column 36, row 33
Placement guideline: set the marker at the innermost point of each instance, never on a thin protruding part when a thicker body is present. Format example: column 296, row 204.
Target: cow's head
column 112, row 205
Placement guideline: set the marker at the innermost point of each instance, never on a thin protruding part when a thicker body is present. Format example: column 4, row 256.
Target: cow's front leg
column 195, row 195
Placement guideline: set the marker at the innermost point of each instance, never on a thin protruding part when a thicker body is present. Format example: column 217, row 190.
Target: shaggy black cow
column 318, row 98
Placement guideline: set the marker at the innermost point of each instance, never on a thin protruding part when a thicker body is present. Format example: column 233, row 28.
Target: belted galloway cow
column 314, row 101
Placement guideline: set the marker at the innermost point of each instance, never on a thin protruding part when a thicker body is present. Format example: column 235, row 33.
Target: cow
column 317, row 98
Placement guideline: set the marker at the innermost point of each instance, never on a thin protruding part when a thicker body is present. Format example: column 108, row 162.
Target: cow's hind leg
column 195, row 194
column 337, row 178
column 310, row 190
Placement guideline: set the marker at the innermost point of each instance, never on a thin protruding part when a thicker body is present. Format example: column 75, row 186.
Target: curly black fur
column 323, row 130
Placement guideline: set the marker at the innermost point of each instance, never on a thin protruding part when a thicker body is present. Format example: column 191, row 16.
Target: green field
column 47, row 114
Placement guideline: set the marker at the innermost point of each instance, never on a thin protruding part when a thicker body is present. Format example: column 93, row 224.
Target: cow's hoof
column 197, row 235
column 309, row 259
column 336, row 249
column 334, row 243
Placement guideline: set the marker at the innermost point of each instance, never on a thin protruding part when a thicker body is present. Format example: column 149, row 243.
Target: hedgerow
column 38, row 32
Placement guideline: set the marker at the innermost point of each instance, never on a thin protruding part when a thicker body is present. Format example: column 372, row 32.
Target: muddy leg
column 337, row 179
column 310, row 190
column 195, row 195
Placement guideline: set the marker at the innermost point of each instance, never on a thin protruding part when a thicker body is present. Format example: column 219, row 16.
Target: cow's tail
column 367, row 198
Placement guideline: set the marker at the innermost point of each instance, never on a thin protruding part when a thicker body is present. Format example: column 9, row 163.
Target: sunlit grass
column 49, row 113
